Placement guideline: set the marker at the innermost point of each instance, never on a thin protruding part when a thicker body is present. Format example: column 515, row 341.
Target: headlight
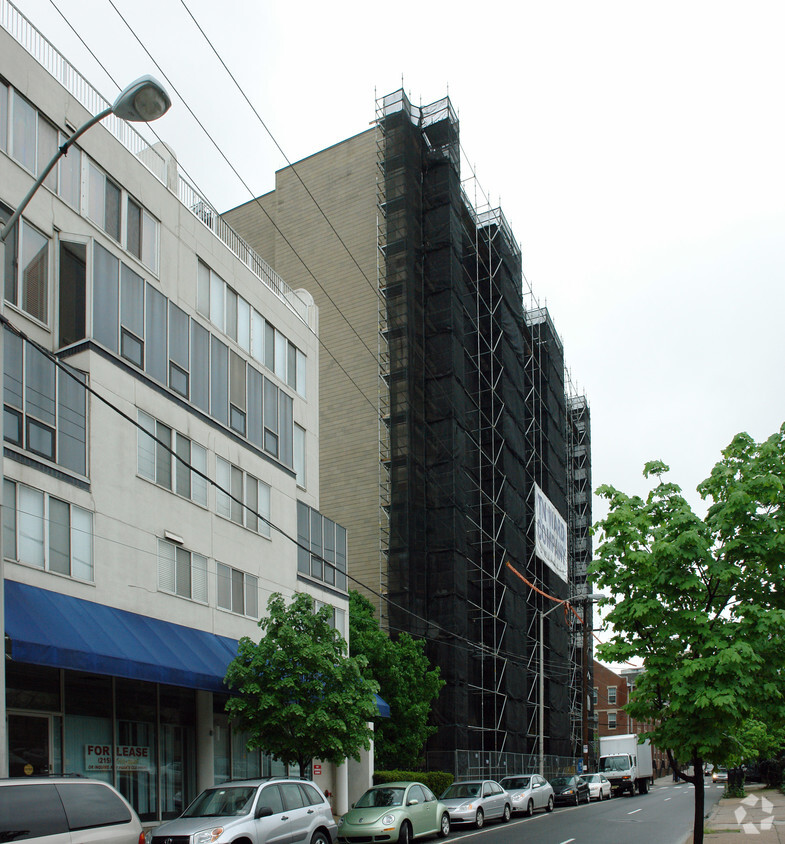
column 467, row 806
column 208, row 836
column 570, row 791
column 388, row 819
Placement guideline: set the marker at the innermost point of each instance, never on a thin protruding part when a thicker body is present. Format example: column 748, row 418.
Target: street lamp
column 143, row 101
column 594, row 596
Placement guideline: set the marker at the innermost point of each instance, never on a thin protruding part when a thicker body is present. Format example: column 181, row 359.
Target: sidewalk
column 759, row 817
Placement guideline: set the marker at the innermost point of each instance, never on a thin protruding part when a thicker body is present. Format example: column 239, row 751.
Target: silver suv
column 62, row 810
column 270, row 811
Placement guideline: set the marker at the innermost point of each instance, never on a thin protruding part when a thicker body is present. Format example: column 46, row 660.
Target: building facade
column 444, row 406
column 161, row 428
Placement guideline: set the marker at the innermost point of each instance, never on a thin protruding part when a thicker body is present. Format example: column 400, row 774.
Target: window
column 237, row 393
column 242, row 497
column 103, row 201
column 26, row 270
column 321, row 550
column 337, row 618
column 45, row 532
column 179, row 360
column 182, row 572
column 238, row 592
column 23, row 132
column 142, row 234
column 45, row 405
column 594, row 696
column 612, row 695
column 3, row 116
column 131, row 316
column 73, row 286
column 173, row 461
column 611, row 720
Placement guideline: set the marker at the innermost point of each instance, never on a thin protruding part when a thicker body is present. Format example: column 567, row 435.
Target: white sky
column 637, row 150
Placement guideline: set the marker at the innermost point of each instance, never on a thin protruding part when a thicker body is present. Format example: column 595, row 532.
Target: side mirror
column 414, row 802
column 263, row 812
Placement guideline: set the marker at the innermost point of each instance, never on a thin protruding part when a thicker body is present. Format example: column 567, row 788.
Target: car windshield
column 461, row 790
column 515, row 782
column 591, row 777
column 561, row 781
column 614, row 763
column 222, row 801
column 380, row 797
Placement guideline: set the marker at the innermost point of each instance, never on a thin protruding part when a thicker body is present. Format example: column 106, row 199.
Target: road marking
column 634, row 811
column 568, row 841
column 667, row 799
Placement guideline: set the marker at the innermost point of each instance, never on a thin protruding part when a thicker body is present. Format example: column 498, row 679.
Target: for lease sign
column 98, row 757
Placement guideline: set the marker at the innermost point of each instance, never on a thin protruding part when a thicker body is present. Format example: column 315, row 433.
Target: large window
column 26, row 268
column 46, row 532
column 171, row 460
column 45, row 405
column 241, row 497
column 321, row 551
column 612, row 695
column 182, row 572
column 238, row 591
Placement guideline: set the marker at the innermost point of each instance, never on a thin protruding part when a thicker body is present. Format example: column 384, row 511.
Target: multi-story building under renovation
column 444, row 407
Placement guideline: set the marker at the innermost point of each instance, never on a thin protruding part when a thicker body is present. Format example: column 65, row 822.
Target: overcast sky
column 637, row 151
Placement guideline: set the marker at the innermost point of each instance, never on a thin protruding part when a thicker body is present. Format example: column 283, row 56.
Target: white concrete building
column 129, row 571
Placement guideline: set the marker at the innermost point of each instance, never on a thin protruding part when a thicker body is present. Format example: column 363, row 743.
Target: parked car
column 475, row 801
column 65, row 809
column 395, row 811
column 262, row 811
column 528, row 792
column 570, row 790
column 599, row 786
column 719, row 774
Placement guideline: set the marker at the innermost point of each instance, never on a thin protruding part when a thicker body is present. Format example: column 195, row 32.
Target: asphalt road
column 663, row 816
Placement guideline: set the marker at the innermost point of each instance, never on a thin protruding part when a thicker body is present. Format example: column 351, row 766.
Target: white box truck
column 627, row 764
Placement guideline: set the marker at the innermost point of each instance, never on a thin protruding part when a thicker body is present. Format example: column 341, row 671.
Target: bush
column 437, row 781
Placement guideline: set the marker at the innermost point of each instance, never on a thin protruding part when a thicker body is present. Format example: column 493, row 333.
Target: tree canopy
column 407, row 682
column 701, row 601
column 297, row 692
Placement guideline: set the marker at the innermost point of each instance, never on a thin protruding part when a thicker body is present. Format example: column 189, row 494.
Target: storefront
column 115, row 722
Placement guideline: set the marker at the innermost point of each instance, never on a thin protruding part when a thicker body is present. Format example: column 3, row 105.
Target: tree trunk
column 697, row 830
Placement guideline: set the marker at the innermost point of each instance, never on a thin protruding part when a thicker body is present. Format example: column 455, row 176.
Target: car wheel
column 549, row 807
column 444, row 826
column 479, row 819
column 530, row 808
column 507, row 814
column 588, row 797
column 319, row 838
column 405, row 835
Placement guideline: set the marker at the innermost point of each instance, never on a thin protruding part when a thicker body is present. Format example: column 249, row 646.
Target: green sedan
column 395, row 811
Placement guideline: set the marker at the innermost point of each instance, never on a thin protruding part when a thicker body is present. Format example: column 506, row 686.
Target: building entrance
column 29, row 743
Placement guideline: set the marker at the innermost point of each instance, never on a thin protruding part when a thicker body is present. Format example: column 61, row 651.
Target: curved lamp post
column 142, row 101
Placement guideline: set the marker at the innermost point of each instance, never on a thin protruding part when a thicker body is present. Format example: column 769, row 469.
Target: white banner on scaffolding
column 550, row 534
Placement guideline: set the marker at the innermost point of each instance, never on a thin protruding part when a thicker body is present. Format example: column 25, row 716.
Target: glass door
column 29, row 745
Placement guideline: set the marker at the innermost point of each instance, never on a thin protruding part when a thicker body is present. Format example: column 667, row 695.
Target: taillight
column 142, row 838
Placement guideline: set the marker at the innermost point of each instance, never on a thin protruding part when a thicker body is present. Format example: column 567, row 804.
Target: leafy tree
column 701, row 602
column 297, row 692
column 406, row 681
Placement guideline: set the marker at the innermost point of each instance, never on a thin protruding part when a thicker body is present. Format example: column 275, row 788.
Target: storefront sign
column 317, row 769
column 98, row 757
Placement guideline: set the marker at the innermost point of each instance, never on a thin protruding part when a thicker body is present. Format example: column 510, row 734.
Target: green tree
column 297, row 692
column 701, row 601
column 406, row 681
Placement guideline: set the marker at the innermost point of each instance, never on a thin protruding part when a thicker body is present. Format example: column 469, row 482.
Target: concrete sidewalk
column 759, row 817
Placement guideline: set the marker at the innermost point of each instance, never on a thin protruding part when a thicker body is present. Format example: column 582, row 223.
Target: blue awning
column 48, row 628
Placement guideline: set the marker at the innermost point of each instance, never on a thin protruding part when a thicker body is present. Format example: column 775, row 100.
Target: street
column 663, row 816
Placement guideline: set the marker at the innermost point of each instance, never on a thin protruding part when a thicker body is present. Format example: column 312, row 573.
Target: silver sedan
column 529, row 792
column 474, row 801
